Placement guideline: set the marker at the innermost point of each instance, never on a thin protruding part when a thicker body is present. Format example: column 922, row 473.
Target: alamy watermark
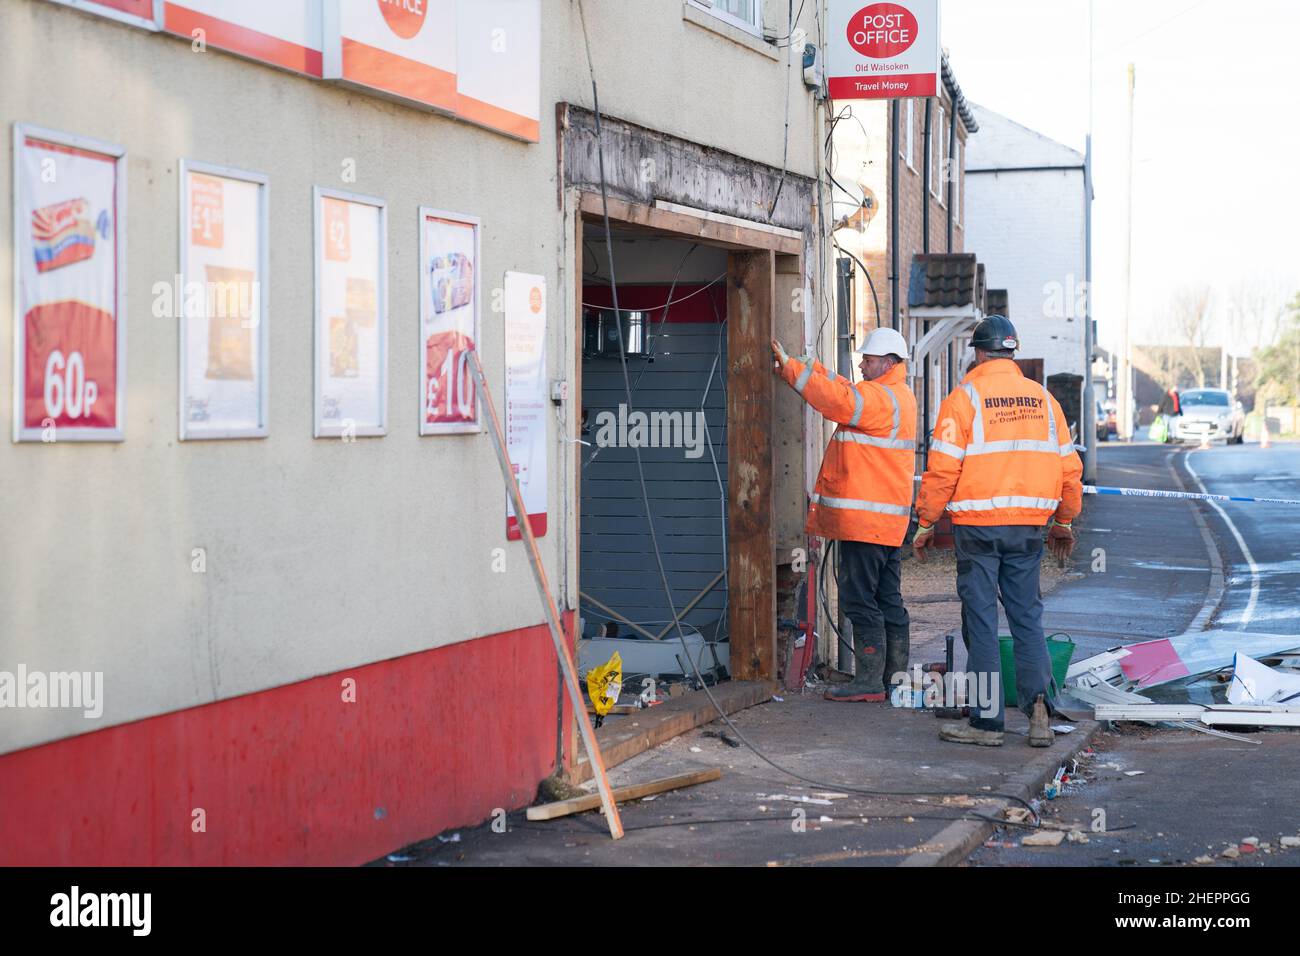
column 228, row 298
column 638, row 429
column 128, row 910
column 972, row 689
column 55, row 690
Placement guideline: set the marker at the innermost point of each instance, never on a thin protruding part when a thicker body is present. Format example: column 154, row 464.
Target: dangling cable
column 645, row 498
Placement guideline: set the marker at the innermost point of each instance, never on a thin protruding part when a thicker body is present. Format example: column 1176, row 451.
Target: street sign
column 883, row 50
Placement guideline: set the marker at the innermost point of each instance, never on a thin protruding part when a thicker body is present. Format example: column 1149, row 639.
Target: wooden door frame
column 751, row 284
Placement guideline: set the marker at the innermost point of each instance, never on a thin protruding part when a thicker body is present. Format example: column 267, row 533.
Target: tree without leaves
column 1188, row 317
column 1255, row 308
column 1279, row 363
column 1163, row 363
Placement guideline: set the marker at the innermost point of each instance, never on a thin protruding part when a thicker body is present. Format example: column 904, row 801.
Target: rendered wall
column 297, row 775
column 321, row 555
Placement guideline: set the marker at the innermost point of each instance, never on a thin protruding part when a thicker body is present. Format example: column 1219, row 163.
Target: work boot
column 1040, row 725
column 869, row 654
column 960, row 732
column 897, row 647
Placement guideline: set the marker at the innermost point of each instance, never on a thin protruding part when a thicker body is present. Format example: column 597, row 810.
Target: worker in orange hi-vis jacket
column 1003, row 465
column 863, row 498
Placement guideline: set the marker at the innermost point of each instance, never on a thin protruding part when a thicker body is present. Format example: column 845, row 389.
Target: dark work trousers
column 871, row 591
column 1005, row 559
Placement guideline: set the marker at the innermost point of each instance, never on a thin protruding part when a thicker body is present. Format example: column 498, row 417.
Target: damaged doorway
column 671, row 328
column 753, row 259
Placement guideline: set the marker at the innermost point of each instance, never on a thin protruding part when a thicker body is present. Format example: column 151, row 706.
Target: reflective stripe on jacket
column 1001, row 453
column 864, row 489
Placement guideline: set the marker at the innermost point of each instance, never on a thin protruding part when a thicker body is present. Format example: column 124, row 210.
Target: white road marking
column 1157, row 566
column 1241, row 543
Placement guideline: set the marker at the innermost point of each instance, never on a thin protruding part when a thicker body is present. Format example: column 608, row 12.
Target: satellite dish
column 861, row 217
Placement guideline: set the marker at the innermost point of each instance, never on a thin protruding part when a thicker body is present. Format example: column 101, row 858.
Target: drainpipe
column 844, row 313
column 928, row 140
column 893, row 214
column 950, row 178
column 1089, row 327
column 844, row 361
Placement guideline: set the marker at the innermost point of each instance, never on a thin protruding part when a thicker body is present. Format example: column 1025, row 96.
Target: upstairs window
column 956, row 184
column 928, row 145
column 746, row 14
column 909, row 135
column 940, row 154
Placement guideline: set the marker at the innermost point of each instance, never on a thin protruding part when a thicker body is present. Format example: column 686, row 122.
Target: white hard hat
column 884, row 342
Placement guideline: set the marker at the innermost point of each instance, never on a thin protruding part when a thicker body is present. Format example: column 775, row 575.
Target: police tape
column 1151, row 493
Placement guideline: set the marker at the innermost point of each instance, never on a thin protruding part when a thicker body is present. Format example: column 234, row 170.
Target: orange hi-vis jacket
column 1001, row 454
column 864, row 489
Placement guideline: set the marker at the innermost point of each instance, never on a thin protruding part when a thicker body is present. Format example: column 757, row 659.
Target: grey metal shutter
column 617, row 559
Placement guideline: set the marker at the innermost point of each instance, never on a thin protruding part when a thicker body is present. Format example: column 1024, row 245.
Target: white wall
column 321, row 555
column 657, row 68
column 1028, row 230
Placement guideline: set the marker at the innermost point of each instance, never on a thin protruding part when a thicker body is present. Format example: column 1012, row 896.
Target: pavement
column 926, row 802
column 1142, row 570
column 750, row 816
column 1195, row 795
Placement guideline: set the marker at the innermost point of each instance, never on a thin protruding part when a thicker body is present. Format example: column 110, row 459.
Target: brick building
column 899, row 192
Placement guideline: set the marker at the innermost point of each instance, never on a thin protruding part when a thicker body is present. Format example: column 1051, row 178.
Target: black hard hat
column 995, row 334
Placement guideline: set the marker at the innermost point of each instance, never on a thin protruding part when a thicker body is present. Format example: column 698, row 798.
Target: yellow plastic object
column 604, row 684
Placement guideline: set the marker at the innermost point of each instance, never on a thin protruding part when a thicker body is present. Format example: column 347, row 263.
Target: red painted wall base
column 297, row 775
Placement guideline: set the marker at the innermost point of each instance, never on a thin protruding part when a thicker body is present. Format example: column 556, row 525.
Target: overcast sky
column 1216, row 133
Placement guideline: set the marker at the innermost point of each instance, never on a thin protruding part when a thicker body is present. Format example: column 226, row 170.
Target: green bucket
column 1060, row 652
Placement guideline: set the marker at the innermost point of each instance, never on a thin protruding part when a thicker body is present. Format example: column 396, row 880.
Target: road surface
column 1196, row 794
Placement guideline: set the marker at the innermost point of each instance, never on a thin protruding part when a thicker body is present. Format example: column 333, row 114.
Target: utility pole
column 1125, row 393
column 1089, row 437
column 844, row 362
column 1224, row 359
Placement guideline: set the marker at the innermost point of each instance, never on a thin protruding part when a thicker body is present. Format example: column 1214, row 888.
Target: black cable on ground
column 773, row 818
column 645, row 496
